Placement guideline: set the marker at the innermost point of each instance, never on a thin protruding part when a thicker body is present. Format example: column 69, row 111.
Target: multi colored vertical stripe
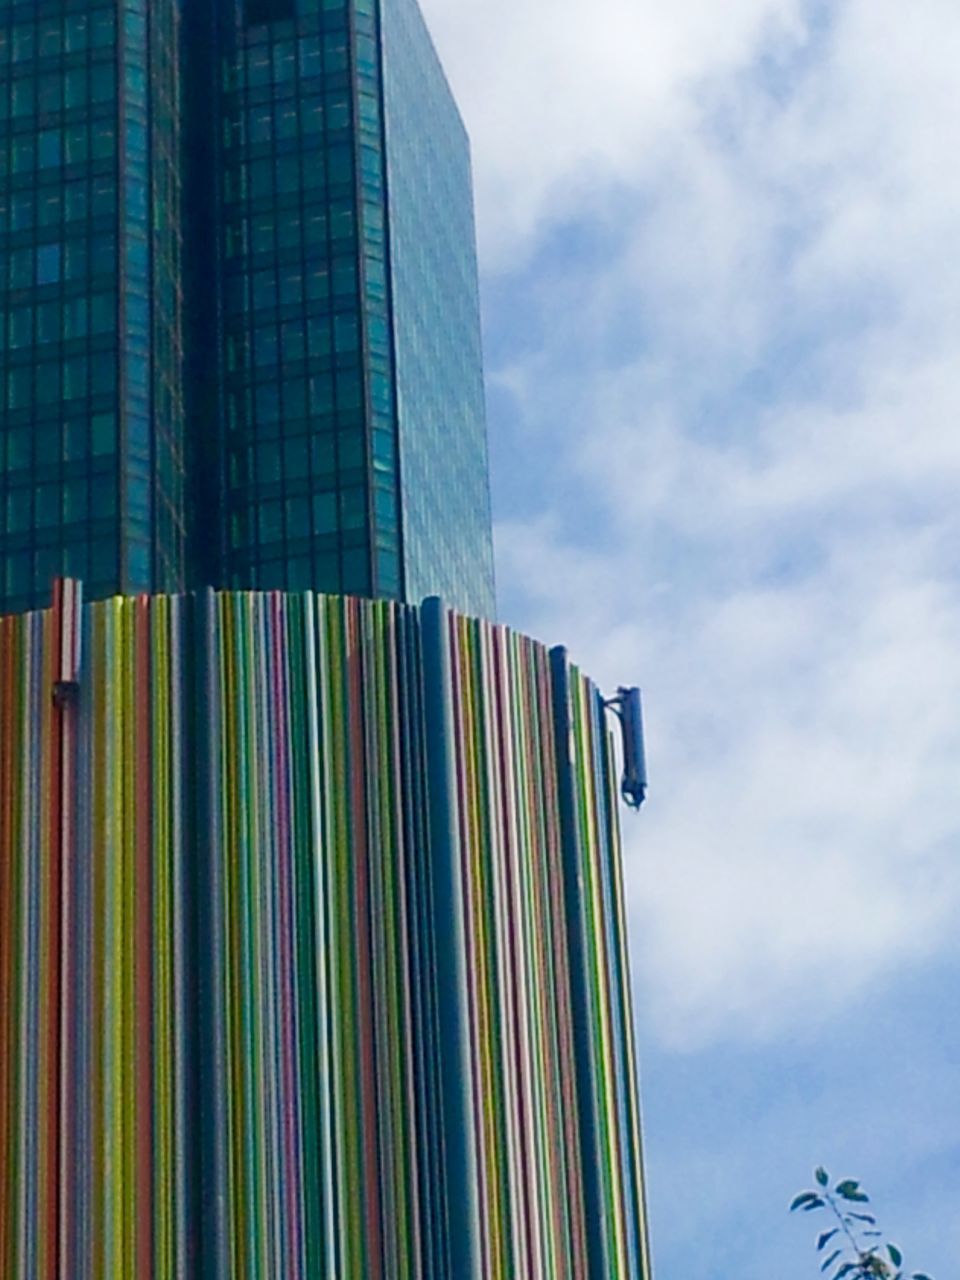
column 312, row 949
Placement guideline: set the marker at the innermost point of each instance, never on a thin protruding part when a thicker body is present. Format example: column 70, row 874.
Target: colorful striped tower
column 312, row 952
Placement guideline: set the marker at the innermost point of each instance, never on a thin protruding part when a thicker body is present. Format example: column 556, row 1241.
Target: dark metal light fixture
column 628, row 707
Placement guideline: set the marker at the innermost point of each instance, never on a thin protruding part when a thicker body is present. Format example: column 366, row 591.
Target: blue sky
column 722, row 310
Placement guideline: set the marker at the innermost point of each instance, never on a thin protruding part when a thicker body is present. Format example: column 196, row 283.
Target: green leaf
column 822, row 1177
column 831, row 1260
column 845, row 1270
column 826, row 1238
column 816, row 1203
column 862, row 1217
column 849, row 1191
column 804, row 1200
column 918, row 1275
column 896, row 1257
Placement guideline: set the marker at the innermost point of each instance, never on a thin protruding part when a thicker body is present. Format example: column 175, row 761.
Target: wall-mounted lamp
column 628, row 708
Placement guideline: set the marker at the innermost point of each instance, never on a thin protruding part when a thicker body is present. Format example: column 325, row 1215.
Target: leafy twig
column 858, row 1249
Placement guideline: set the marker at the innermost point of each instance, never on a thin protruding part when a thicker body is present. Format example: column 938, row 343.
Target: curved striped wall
column 312, row 953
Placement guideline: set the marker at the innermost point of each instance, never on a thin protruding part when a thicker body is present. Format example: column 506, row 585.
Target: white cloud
column 789, row 597
column 803, row 743
column 723, row 238
column 560, row 95
column 743, row 411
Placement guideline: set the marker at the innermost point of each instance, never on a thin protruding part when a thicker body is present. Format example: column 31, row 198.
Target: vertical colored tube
column 207, row 943
column 600, row 1265
column 459, row 1154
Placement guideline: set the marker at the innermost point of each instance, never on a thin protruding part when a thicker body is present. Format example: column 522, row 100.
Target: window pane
column 48, row 264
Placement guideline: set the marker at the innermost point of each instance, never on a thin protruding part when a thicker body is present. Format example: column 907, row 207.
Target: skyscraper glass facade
column 436, row 309
column 91, row 456
column 354, row 412
column 291, row 181
column 312, row 482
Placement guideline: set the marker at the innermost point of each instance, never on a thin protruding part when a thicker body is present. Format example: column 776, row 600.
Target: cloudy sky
column 721, row 267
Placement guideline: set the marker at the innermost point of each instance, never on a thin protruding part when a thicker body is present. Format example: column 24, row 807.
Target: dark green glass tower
column 242, row 326
column 91, row 447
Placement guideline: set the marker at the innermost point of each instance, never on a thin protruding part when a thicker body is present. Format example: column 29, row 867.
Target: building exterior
column 312, row 942
column 439, row 369
column 91, row 413
column 312, row 948
column 242, row 340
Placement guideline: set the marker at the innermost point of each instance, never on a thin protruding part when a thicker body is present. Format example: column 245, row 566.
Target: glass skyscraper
column 92, row 448
column 241, row 341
